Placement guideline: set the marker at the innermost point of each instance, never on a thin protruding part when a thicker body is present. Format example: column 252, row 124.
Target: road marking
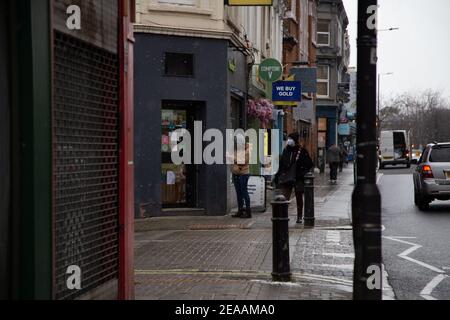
column 240, row 273
column 415, row 246
column 338, row 255
column 426, row 292
column 337, row 266
column 379, row 177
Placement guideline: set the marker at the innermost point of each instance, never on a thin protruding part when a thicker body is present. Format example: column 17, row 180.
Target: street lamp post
column 366, row 199
column 378, row 99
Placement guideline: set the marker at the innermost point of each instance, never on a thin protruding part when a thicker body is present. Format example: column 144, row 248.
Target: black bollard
column 280, row 237
column 309, row 200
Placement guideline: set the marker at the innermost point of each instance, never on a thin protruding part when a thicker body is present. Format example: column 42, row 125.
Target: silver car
column 432, row 175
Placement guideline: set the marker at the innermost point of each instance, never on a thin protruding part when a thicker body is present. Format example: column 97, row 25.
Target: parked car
column 394, row 148
column 432, row 175
column 415, row 155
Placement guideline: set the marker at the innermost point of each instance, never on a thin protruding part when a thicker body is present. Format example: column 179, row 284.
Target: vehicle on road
column 432, row 175
column 394, row 148
column 415, row 155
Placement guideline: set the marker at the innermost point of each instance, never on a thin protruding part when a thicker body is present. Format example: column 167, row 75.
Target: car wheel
column 424, row 203
column 416, row 197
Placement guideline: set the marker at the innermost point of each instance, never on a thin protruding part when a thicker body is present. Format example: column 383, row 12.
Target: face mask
column 291, row 142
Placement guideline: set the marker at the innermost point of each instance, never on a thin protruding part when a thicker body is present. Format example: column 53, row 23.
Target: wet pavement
column 183, row 258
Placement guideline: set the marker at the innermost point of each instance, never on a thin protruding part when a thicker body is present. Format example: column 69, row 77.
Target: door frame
column 192, row 114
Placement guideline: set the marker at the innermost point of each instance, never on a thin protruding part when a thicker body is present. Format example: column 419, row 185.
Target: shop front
column 180, row 83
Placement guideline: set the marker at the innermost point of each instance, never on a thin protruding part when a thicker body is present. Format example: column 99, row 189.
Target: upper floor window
column 323, row 33
column 323, row 81
column 178, row 64
column 181, row 2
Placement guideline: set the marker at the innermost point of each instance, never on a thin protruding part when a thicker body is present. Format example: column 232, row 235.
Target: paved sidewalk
column 183, row 258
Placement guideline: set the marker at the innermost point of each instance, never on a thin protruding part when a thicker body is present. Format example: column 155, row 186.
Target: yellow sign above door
column 250, row 2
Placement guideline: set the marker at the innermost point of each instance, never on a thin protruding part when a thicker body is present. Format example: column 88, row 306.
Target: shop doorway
column 179, row 182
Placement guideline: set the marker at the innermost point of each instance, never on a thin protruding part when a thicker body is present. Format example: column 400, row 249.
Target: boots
column 247, row 214
column 239, row 214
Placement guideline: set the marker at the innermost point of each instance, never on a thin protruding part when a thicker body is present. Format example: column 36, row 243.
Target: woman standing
column 295, row 162
column 241, row 174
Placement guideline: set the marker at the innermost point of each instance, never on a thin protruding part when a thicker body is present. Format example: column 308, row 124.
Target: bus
column 394, row 148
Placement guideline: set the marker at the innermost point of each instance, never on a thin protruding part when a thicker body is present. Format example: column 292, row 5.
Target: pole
column 366, row 199
column 281, row 269
column 309, row 201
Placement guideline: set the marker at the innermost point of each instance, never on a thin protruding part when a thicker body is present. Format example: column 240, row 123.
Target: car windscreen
column 440, row 155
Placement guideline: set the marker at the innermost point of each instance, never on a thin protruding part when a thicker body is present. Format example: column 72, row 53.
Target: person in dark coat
column 343, row 158
column 294, row 155
column 333, row 158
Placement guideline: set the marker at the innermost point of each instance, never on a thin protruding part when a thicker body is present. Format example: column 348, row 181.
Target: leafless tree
column 425, row 115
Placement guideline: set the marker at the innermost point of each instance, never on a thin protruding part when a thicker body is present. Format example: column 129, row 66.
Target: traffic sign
column 270, row 70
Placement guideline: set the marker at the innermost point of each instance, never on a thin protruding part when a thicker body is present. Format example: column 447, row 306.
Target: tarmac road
column 416, row 244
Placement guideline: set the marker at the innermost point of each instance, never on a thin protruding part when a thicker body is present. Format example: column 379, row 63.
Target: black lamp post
column 366, row 199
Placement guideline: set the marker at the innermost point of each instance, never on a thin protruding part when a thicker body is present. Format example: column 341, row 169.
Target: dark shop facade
column 180, row 80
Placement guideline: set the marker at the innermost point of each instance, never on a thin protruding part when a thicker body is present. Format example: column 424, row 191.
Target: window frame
column 319, row 44
column 327, row 81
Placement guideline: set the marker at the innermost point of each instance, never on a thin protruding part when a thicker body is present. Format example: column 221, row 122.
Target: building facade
column 332, row 65
column 299, row 57
column 194, row 63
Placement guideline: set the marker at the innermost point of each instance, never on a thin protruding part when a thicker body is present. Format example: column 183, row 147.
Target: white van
column 394, row 148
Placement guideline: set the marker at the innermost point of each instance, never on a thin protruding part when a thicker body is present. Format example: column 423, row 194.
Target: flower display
column 260, row 109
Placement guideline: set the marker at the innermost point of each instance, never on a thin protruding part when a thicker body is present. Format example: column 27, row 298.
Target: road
column 416, row 244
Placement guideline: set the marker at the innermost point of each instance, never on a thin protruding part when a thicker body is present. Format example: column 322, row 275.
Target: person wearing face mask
column 295, row 162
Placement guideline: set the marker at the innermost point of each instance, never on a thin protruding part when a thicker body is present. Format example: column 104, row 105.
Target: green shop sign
column 270, row 70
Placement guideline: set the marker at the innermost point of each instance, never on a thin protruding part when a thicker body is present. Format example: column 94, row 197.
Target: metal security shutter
column 85, row 163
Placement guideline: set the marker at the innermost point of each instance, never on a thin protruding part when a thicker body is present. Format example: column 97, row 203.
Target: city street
column 415, row 243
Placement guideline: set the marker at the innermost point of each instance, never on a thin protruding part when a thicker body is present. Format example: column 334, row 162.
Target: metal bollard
column 309, row 200
column 280, row 237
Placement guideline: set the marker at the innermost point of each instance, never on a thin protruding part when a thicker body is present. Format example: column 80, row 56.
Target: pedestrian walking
column 333, row 159
column 295, row 163
column 241, row 174
column 343, row 158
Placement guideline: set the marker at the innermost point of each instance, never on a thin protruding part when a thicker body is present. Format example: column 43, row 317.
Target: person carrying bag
column 295, row 163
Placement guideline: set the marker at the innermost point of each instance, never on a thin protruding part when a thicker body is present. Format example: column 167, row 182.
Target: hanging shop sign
column 270, row 70
column 289, row 91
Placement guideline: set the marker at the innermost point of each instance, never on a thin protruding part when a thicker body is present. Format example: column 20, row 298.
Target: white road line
column 415, row 246
column 336, row 266
column 379, row 177
column 338, row 255
column 426, row 292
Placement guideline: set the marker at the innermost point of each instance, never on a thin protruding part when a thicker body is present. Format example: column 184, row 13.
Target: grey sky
column 419, row 53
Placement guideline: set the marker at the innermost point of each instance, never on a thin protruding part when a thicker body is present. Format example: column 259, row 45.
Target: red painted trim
column 126, row 178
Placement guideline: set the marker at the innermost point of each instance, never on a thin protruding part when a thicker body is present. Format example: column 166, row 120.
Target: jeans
column 334, row 166
column 241, row 186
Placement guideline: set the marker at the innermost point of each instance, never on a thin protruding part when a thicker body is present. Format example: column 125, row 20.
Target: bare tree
column 425, row 115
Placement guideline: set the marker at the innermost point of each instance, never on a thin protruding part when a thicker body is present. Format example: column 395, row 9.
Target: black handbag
column 289, row 177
